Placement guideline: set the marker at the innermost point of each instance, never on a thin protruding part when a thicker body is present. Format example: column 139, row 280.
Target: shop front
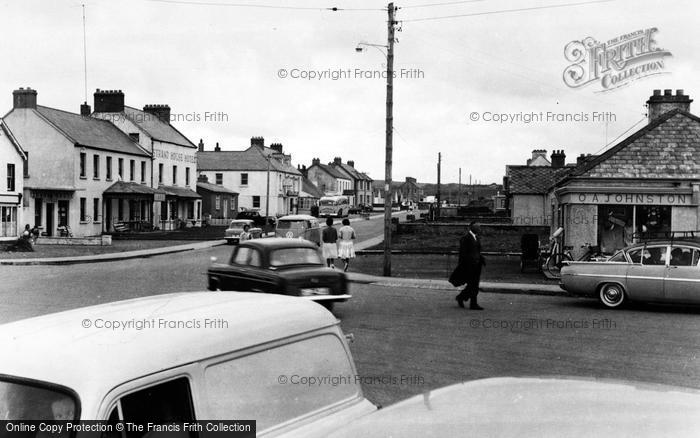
column 129, row 206
column 615, row 216
column 179, row 208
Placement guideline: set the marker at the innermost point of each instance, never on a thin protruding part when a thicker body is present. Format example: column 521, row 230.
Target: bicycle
column 557, row 257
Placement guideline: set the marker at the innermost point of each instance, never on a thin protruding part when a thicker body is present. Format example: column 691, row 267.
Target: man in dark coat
column 469, row 265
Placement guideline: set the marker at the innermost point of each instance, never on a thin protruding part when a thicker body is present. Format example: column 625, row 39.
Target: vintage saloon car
column 178, row 358
column 280, row 266
column 655, row 271
column 234, row 230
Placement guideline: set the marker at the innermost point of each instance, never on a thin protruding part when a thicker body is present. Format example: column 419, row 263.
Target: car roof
column 535, row 407
column 92, row 361
column 682, row 242
column 297, row 217
column 279, row 242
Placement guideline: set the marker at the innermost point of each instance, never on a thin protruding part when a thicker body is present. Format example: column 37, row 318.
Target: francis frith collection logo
column 614, row 63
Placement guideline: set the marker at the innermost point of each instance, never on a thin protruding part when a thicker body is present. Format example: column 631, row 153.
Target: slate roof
column 90, row 132
column 215, row 188
column 251, row 159
column 668, row 147
column 156, row 128
column 533, row 180
column 330, row 170
column 308, row 187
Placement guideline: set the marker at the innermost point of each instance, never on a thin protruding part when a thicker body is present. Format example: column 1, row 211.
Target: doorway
column 49, row 218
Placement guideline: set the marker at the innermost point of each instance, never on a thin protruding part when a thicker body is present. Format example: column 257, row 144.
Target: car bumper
column 336, row 298
column 232, row 239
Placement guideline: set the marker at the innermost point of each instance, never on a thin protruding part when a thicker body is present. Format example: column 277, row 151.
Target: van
column 182, row 358
column 334, row 206
column 299, row 226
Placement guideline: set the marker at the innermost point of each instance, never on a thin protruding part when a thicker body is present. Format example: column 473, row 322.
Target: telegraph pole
column 459, row 190
column 267, row 198
column 439, row 198
column 389, row 140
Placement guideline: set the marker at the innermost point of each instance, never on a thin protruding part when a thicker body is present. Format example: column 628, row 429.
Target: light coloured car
column 655, row 271
column 187, row 356
column 235, row 228
column 299, row 226
column 537, row 407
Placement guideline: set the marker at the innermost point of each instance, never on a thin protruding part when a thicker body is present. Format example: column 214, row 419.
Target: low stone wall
column 438, row 236
column 104, row 240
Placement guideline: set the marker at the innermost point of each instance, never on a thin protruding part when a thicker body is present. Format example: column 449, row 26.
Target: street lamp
column 389, row 131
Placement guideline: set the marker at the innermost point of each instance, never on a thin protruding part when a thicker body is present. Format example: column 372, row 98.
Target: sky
column 482, row 87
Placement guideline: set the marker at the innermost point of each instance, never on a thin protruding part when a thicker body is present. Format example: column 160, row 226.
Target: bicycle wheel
column 555, row 263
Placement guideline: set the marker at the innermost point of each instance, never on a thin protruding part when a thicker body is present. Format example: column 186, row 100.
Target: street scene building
column 647, row 185
column 13, row 161
column 361, row 192
column 329, row 180
column 263, row 177
column 171, row 172
column 218, row 202
column 65, row 194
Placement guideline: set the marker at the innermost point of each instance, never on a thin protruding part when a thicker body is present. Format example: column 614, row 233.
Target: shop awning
column 180, row 192
column 124, row 189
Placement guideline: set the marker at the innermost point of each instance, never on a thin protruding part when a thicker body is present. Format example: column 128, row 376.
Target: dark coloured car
column 254, row 215
column 280, row 266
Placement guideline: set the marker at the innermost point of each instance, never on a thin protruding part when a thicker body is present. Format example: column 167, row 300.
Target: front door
column 63, row 213
column 49, row 218
column 108, row 214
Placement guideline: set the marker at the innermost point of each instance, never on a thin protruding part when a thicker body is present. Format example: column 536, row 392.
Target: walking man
column 469, row 265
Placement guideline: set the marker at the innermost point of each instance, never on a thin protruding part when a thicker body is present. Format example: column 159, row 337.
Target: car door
column 682, row 281
column 645, row 277
column 237, row 275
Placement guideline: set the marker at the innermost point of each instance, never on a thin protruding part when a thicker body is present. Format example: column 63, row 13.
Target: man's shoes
column 460, row 302
column 475, row 307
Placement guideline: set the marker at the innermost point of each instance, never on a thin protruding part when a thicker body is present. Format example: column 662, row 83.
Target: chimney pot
column 217, row 148
column 200, row 146
column 667, row 92
column 85, row 110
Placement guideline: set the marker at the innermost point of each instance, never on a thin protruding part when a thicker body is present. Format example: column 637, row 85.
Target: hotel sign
column 632, row 198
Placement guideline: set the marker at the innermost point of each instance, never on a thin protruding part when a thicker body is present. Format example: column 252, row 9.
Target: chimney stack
column 277, row 147
column 659, row 104
column 162, row 112
column 202, row 178
column 24, row 98
column 315, row 161
column 108, row 101
column 351, row 163
column 217, row 148
column 200, row 146
column 558, row 159
column 85, row 110
column 337, row 161
column 257, row 141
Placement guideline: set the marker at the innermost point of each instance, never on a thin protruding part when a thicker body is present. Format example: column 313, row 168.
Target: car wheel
column 214, row 284
column 611, row 295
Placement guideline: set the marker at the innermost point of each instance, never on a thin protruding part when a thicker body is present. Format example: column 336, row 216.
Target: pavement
column 485, row 286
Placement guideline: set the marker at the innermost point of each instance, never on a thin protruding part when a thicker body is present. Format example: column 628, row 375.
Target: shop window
column 256, row 201
column 8, row 221
column 10, row 177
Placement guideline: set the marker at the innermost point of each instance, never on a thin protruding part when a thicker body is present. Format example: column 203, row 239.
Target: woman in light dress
column 346, row 248
column 329, row 235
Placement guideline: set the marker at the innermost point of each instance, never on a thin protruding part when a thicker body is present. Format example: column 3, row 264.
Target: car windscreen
column 238, row 224
column 294, row 256
column 292, row 225
column 22, row 401
column 326, row 202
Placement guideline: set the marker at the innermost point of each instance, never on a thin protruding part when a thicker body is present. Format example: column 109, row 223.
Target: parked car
column 234, row 230
column 189, row 356
column 537, row 407
column 280, row 266
column 656, row 271
column 299, row 226
column 253, row 215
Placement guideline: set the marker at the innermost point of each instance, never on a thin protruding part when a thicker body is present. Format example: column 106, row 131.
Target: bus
column 333, row 206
